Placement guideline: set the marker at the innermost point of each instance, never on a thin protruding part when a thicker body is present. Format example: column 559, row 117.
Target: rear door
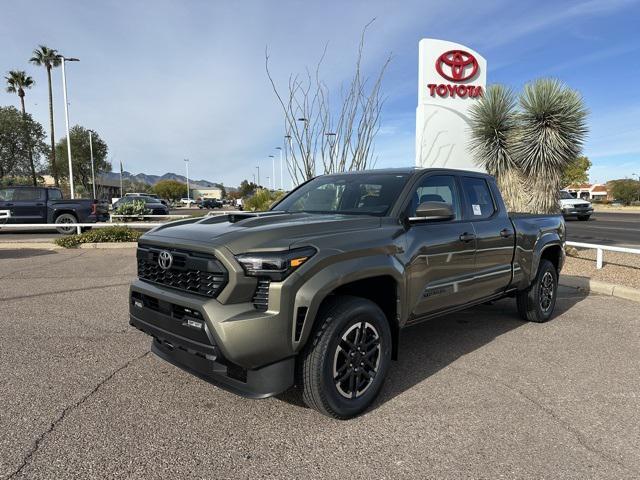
column 495, row 236
column 440, row 261
column 29, row 205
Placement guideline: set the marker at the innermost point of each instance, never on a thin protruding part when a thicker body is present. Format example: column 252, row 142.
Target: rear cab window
column 477, row 198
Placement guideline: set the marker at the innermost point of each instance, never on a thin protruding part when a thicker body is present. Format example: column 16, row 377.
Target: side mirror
column 433, row 212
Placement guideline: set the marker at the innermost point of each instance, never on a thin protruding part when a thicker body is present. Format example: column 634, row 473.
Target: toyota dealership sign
column 451, row 77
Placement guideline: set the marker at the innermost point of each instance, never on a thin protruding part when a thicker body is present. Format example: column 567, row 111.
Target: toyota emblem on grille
column 165, row 260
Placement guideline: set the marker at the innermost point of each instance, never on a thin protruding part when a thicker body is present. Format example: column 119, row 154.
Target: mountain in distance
column 153, row 179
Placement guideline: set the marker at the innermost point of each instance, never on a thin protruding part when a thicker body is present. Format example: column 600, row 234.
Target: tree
column 529, row 146
column 49, row 58
column 340, row 140
column 577, row 172
column 20, row 137
column 17, row 82
column 81, row 156
column 170, row 189
column 625, row 190
column 246, row 188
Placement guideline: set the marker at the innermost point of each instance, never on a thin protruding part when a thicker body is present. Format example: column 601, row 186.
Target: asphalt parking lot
column 477, row 394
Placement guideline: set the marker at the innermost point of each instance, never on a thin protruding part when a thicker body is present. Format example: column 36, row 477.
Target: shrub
column 262, row 200
column 136, row 207
column 100, row 235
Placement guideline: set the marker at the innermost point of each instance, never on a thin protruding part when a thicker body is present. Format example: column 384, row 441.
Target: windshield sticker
column 477, row 210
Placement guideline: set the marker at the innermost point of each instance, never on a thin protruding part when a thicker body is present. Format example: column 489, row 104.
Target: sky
column 164, row 80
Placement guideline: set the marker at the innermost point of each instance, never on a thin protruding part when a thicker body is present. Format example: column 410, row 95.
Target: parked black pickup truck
column 315, row 292
column 46, row 205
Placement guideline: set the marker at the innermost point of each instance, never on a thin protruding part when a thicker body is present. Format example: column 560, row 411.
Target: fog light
column 138, row 303
column 193, row 324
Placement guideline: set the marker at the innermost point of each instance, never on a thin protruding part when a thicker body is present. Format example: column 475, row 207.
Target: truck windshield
column 351, row 194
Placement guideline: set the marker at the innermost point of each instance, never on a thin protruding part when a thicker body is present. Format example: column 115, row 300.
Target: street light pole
column 258, row 168
column 93, row 174
column 281, row 171
column 273, row 172
column 66, row 117
column 186, row 162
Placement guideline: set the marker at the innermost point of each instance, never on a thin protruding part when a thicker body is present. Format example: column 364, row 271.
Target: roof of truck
column 407, row 171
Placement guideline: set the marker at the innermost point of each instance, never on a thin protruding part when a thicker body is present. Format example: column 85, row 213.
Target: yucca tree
column 17, row 82
column 493, row 128
column 528, row 145
column 551, row 131
column 49, row 58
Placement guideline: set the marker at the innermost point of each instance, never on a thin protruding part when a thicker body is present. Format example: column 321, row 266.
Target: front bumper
column 577, row 212
column 233, row 346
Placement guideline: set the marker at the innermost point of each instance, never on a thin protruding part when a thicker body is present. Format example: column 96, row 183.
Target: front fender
column 315, row 290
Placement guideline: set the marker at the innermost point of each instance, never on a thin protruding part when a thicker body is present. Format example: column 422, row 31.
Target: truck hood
column 242, row 232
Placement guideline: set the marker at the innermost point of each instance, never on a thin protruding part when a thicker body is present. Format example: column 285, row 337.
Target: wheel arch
column 378, row 280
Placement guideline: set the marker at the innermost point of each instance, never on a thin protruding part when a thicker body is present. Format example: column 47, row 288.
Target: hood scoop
column 234, row 217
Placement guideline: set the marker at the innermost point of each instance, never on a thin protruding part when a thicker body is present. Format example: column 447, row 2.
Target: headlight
column 275, row 265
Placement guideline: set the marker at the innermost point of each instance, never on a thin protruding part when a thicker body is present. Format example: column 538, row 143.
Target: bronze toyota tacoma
column 313, row 292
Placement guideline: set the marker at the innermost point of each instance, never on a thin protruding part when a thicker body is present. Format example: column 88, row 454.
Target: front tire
column 346, row 361
column 536, row 304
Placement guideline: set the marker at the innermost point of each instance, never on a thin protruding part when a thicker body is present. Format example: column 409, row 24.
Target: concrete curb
column 108, row 245
column 53, row 246
column 603, row 288
column 29, row 246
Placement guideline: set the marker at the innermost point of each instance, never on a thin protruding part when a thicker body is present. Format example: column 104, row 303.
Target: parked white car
column 575, row 207
column 187, row 202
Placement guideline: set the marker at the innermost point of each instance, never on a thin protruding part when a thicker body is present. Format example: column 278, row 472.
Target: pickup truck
column 575, row 207
column 46, row 205
column 314, row 292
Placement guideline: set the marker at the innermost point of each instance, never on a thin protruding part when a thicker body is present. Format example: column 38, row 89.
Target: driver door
column 441, row 254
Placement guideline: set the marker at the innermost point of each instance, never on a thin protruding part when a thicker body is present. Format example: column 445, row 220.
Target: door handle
column 506, row 232
column 467, row 237
column 39, row 204
column 9, row 204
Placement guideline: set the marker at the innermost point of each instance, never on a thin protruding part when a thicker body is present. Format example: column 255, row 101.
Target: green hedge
column 100, row 235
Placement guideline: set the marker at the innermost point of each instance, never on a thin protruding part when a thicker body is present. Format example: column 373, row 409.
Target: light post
column 93, row 174
column 273, row 172
column 186, row 162
column 287, row 139
column 281, row 171
column 66, row 117
column 258, row 168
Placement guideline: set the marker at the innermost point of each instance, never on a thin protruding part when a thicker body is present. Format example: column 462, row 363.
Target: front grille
column 261, row 297
column 581, row 205
column 192, row 272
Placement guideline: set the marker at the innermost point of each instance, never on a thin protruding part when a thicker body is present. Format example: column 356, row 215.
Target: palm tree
column 49, row 58
column 551, row 131
column 17, row 82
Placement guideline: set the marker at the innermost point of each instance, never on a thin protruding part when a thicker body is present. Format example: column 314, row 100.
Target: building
column 211, row 192
column 589, row 191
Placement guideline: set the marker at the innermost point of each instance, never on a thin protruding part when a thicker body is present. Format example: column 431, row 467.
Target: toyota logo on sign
column 165, row 260
column 457, row 65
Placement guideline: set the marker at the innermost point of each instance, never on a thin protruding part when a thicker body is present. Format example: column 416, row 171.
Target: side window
column 477, row 197
column 55, row 194
column 7, row 194
column 28, row 194
column 436, row 188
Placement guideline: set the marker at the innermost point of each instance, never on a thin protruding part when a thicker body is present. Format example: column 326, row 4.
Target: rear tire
column 536, row 304
column 584, row 218
column 346, row 361
column 66, row 218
